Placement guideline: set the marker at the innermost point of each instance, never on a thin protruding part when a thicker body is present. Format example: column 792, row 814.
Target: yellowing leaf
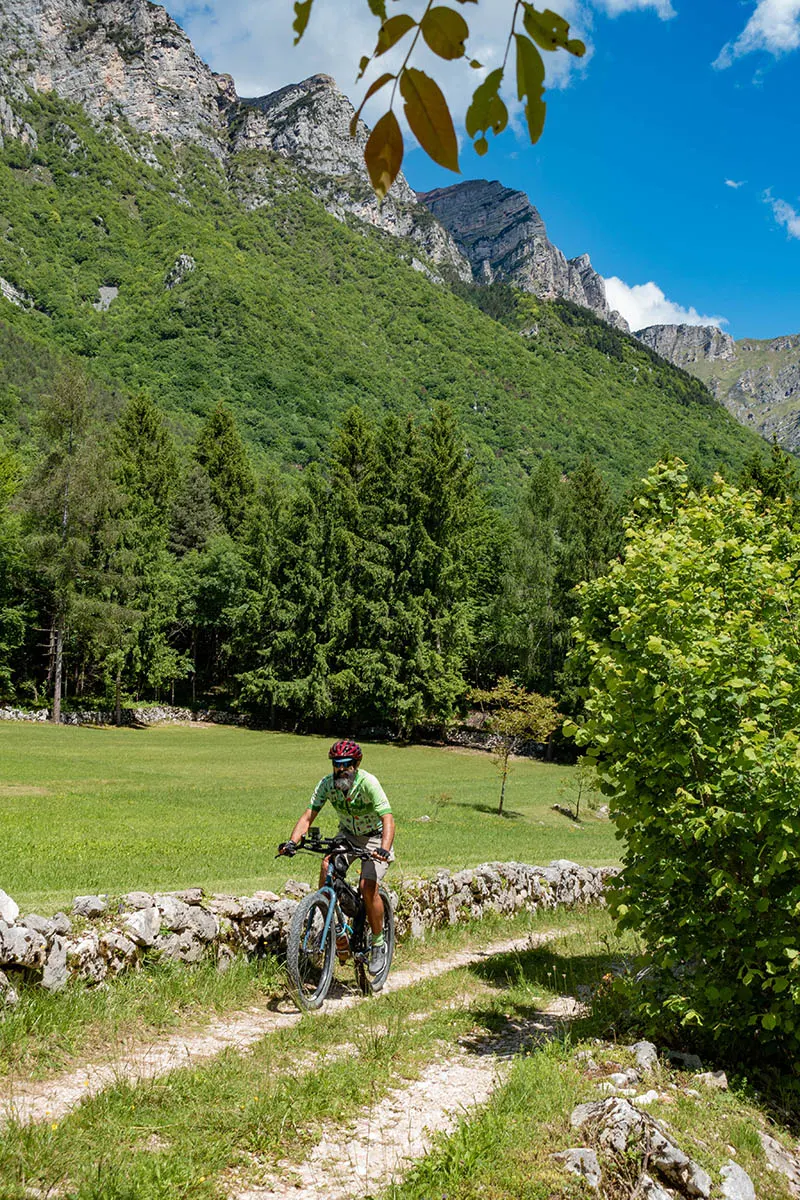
column 392, row 31
column 530, row 83
column 302, row 11
column 383, row 154
column 429, row 117
column 377, row 8
column 362, row 66
column 445, row 32
column 374, row 87
column 487, row 110
column 549, row 30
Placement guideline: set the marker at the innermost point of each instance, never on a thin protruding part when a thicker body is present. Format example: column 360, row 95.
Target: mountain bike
column 332, row 922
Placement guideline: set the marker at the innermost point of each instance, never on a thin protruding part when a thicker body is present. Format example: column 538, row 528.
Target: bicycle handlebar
column 329, row 845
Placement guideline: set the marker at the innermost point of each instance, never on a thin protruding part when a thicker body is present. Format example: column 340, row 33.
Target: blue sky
column 676, row 102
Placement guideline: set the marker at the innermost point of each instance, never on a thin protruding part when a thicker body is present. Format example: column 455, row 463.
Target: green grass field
column 109, row 810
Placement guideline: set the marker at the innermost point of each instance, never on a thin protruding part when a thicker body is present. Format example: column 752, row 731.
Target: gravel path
column 53, row 1098
column 362, row 1159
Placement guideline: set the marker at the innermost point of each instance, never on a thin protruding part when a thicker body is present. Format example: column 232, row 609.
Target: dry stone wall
column 102, row 937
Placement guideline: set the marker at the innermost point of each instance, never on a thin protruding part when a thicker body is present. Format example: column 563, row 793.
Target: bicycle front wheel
column 309, row 957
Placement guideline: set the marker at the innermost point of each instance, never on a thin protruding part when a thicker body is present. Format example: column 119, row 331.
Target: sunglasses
column 343, row 762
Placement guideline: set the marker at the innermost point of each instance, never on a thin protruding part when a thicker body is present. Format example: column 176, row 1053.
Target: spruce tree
column 221, row 451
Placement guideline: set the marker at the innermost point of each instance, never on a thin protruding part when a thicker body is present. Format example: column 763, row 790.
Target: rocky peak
column 504, row 238
column 685, row 345
column 309, row 124
column 117, row 58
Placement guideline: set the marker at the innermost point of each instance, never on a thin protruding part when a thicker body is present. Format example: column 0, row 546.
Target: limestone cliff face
column 757, row 381
column 117, row 58
column 684, row 345
column 308, row 123
column 504, row 238
column 128, row 59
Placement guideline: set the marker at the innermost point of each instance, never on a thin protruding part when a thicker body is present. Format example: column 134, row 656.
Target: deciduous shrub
column 693, row 714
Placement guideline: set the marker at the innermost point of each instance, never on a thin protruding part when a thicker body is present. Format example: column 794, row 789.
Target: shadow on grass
column 544, row 967
column 520, row 1029
column 507, row 814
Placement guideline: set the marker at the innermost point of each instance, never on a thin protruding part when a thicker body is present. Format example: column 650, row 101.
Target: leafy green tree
column 694, row 662
column 516, row 716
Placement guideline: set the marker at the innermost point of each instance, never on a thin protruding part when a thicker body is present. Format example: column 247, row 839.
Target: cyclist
column 365, row 816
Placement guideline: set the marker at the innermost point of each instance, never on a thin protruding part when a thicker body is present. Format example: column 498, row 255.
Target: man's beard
column 344, row 781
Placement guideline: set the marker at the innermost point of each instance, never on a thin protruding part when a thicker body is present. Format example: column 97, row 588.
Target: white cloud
column 663, row 8
column 784, row 214
column 735, row 183
column 774, row 27
column 645, row 304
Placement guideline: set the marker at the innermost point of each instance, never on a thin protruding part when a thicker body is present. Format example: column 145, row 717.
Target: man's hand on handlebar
column 381, row 855
column 288, row 848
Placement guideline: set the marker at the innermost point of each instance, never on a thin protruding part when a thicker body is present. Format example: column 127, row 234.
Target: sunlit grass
column 110, row 810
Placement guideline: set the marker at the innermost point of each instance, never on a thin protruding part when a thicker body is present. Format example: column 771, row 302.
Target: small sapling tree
column 516, row 716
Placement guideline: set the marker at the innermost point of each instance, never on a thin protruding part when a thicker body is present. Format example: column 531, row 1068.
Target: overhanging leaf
column 383, row 154
column 392, row 31
column 302, row 11
column 487, row 110
column 429, row 117
column 374, row 87
column 445, row 31
column 549, row 30
column 377, row 8
column 530, row 84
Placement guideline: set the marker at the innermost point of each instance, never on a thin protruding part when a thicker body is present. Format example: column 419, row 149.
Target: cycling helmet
column 345, row 749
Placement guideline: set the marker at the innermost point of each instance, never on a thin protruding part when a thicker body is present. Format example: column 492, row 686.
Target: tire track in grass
column 50, row 1100
column 366, row 1157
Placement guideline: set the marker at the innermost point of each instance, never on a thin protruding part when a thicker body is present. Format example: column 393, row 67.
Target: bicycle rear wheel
column 367, row 984
column 309, row 960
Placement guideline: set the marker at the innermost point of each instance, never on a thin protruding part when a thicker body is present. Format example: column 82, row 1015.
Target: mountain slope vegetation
column 290, row 317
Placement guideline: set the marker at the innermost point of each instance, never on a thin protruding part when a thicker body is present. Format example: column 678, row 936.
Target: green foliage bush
column 692, row 714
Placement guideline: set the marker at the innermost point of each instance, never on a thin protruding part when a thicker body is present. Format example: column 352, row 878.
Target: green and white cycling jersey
column 361, row 811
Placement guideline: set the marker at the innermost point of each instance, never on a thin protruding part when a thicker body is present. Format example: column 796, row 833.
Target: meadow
column 109, row 810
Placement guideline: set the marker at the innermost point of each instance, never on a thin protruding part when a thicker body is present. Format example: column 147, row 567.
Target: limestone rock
column 118, row 951
column 9, row 995
column 184, row 265
column 20, row 946
column 504, row 239
column 646, row 1055
column 42, row 925
column 684, row 345
column 143, row 926
column 201, row 924
column 9, row 909
column 61, row 924
column 137, row 900
column 192, row 895
column 54, row 976
column 582, row 1162
column 713, row 1079
column 736, row 1183
column 174, row 913
column 84, row 959
column 782, row 1160
column 89, row 906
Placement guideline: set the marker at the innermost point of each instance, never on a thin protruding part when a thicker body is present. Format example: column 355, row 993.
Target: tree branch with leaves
column 445, row 32
column 516, row 716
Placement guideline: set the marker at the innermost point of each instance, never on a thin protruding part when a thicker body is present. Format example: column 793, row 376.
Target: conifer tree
column 221, row 451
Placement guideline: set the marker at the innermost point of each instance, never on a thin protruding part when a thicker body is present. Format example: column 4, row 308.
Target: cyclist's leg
column 372, row 872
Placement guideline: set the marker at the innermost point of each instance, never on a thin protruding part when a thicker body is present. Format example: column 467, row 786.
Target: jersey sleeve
column 320, row 794
column 380, row 801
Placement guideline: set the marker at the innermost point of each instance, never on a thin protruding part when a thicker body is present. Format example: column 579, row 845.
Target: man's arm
column 303, row 825
column 387, row 832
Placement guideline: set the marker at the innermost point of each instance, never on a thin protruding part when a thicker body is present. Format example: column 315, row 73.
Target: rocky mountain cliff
column 127, row 60
column 758, row 381
column 504, row 238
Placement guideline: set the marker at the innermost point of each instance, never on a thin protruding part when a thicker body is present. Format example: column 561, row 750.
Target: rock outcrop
column 757, row 381
column 308, row 124
column 128, row 60
column 685, row 345
column 505, row 240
